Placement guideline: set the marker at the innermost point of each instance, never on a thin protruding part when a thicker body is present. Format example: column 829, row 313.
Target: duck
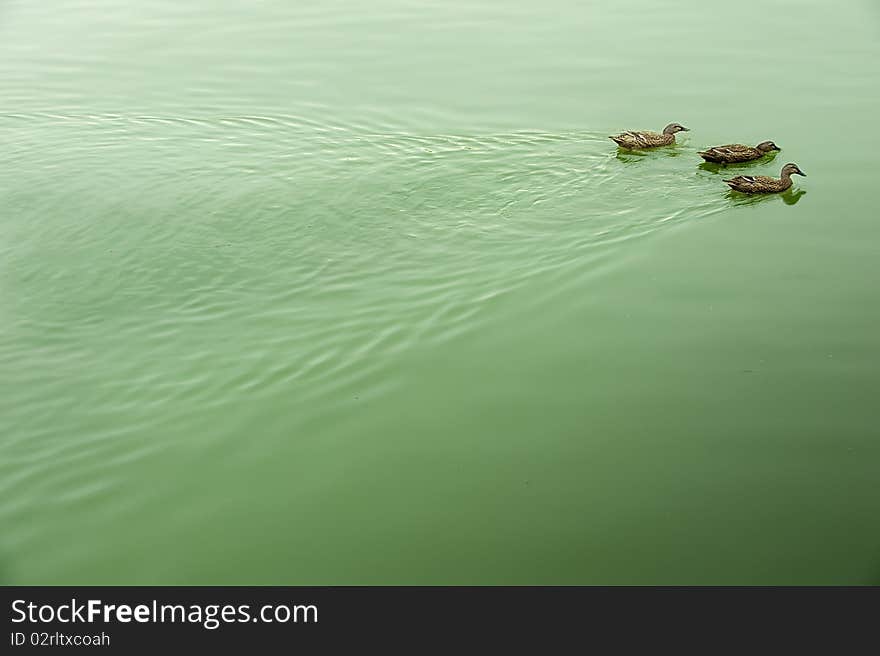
column 734, row 153
column 762, row 184
column 638, row 140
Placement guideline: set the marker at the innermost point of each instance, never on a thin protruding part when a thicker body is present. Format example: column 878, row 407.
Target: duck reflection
column 789, row 197
column 633, row 156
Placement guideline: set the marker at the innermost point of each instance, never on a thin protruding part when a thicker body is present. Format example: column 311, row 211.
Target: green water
column 362, row 293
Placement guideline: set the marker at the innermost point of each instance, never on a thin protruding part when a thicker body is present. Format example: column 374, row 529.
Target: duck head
column 792, row 169
column 672, row 128
column 767, row 146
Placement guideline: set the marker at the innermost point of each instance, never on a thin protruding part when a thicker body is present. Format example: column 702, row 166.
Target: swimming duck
column 733, row 153
column 761, row 184
column 638, row 140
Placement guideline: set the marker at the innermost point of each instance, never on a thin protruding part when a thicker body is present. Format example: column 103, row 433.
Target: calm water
column 362, row 293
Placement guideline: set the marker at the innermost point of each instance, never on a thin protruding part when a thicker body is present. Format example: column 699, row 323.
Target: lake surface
column 359, row 293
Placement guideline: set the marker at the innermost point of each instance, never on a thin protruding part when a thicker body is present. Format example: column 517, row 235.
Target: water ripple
column 277, row 257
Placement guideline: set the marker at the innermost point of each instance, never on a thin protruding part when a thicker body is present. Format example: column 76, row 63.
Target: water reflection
column 790, row 197
column 632, row 156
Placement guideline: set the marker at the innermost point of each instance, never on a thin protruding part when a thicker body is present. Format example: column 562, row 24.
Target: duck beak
column 684, row 129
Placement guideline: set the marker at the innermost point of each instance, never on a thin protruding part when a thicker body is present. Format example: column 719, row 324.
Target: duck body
column 735, row 153
column 639, row 140
column 632, row 140
column 762, row 184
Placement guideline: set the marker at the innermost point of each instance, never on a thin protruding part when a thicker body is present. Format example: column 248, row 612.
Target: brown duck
column 638, row 140
column 733, row 153
column 761, row 184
